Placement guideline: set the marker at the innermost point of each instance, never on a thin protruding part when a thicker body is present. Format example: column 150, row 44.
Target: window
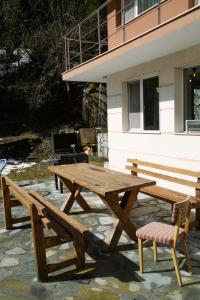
column 191, row 83
column 145, row 4
column 143, row 104
column 132, row 8
column 197, row 2
column 134, row 104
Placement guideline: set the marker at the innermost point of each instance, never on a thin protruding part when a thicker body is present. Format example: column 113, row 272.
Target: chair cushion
column 159, row 232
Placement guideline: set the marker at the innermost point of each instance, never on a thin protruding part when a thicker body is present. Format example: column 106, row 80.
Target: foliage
column 32, row 59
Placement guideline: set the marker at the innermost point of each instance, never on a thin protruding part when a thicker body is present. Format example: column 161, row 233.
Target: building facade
column 152, row 70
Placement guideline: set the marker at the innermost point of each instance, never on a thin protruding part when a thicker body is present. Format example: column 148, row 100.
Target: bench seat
column 169, row 195
column 162, row 172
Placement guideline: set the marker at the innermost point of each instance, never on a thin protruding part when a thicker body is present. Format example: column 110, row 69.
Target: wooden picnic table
column 108, row 184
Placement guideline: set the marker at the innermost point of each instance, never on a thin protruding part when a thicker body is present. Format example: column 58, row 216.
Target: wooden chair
column 167, row 234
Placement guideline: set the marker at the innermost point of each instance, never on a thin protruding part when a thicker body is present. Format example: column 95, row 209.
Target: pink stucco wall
column 146, row 21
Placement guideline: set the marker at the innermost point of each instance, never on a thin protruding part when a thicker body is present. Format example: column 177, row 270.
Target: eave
column 172, row 36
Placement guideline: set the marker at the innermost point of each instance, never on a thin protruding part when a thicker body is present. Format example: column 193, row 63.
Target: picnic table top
column 100, row 180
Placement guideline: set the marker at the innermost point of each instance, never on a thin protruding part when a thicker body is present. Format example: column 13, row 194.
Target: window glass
column 134, row 104
column 145, row 4
column 144, row 106
column 130, row 9
column 191, row 79
column 151, row 103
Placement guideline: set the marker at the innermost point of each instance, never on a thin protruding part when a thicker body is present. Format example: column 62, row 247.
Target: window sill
column 188, row 134
column 142, row 132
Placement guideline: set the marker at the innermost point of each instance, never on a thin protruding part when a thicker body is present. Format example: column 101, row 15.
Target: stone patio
column 107, row 276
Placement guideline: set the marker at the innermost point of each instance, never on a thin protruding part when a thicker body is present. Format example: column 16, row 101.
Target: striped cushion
column 159, row 232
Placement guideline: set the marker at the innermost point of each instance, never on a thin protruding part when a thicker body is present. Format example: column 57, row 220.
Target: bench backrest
column 44, row 207
column 135, row 170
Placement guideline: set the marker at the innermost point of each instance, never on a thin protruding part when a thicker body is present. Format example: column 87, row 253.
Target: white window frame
column 136, row 10
column 140, row 79
column 184, row 121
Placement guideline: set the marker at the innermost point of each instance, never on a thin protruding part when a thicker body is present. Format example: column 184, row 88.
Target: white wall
column 166, row 147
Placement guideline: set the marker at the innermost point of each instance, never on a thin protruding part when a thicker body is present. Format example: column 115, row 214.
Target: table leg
column 121, row 221
column 75, row 195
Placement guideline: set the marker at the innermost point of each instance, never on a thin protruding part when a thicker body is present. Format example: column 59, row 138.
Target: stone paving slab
column 109, row 276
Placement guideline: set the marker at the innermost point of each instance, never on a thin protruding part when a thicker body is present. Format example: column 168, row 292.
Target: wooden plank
column 165, row 177
column 168, row 195
column 6, row 202
column 75, row 195
column 15, row 202
column 50, row 223
column 39, row 244
column 21, row 219
column 61, row 265
column 79, row 247
column 164, row 167
column 51, row 241
column 121, row 219
column 99, row 180
column 22, row 195
column 198, row 208
column 66, row 221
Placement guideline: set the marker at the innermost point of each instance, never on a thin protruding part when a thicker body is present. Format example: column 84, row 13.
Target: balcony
column 119, row 35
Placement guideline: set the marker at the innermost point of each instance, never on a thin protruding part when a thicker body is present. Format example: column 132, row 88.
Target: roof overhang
column 175, row 35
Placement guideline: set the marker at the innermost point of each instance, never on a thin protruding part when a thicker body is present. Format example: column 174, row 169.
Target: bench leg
column 78, row 244
column 198, row 218
column 121, row 221
column 75, row 195
column 7, row 207
column 39, row 245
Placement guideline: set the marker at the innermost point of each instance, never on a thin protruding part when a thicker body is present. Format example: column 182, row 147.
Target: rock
column 167, row 220
column 154, row 280
column 123, row 239
column 64, row 246
column 105, row 220
column 50, row 253
column 15, row 251
column 175, row 295
column 9, row 262
column 103, row 228
column 96, row 289
column 14, row 231
column 92, row 221
column 3, row 230
column 133, row 287
column 162, row 213
column 195, row 256
column 100, row 281
column 143, row 211
column 100, row 236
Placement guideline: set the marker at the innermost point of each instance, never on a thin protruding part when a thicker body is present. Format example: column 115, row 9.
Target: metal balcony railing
column 91, row 37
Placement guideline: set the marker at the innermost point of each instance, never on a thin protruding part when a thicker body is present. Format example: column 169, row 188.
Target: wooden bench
column 165, row 194
column 44, row 214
